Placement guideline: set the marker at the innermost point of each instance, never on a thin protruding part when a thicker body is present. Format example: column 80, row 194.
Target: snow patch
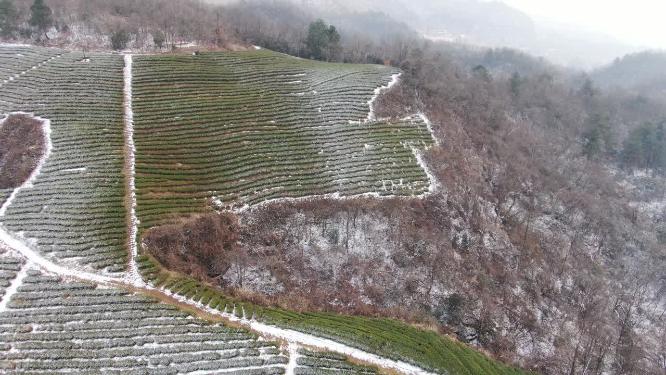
column 428, row 123
column 434, row 183
column 74, row 170
column 378, row 91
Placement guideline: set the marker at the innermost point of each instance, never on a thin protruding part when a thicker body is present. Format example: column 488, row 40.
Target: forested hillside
column 489, row 196
column 642, row 73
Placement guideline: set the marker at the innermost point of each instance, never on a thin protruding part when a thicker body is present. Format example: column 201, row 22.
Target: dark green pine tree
column 41, row 17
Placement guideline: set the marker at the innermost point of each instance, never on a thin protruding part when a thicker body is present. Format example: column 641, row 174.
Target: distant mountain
column 488, row 23
column 644, row 71
column 474, row 22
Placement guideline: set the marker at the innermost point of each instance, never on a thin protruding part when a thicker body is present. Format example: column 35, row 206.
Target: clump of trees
column 38, row 23
column 645, row 147
column 323, row 41
column 119, row 39
column 41, row 17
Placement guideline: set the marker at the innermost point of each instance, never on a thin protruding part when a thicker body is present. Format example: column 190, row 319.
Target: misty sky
column 639, row 22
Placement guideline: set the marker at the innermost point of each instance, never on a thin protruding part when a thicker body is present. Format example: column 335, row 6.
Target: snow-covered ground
column 133, row 275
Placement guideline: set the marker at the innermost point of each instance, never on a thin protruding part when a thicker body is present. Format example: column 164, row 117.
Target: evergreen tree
column 119, row 39
column 515, row 83
column 323, row 41
column 41, row 16
column 317, row 39
column 8, row 15
column 646, row 147
column 598, row 138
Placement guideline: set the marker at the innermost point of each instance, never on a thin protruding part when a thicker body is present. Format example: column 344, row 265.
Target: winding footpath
column 133, row 281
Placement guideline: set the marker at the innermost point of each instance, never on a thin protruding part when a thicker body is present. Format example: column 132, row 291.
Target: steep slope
column 226, row 130
column 74, row 210
column 58, row 314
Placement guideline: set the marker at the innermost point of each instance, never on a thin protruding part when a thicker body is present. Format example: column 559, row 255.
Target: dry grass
column 22, row 144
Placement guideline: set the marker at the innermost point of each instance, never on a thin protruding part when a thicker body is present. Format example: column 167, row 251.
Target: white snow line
column 434, row 183
column 15, row 45
column 395, row 78
column 133, row 275
column 13, row 287
column 293, row 358
column 428, row 123
column 18, row 75
column 303, row 339
column 74, row 170
column 46, row 129
column 36, row 258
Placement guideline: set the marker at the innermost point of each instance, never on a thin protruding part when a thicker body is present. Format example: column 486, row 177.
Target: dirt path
column 133, row 275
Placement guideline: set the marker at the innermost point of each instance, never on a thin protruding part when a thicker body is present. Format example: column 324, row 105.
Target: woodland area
column 545, row 243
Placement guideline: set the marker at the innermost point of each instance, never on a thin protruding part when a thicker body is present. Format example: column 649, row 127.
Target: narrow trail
column 134, row 283
column 133, row 275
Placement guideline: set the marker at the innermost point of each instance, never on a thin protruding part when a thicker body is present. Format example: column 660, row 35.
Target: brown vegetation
column 202, row 246
column 22, row 144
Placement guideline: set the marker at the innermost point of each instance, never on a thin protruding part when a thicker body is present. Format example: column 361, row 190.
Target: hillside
column 640, row 72
column 68, row 232
column 402, row 205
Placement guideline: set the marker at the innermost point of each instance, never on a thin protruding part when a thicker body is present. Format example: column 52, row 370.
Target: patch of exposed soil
column 22, row 144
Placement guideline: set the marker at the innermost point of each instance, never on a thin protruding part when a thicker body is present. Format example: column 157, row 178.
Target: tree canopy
column 323, row 41
column 41, row 16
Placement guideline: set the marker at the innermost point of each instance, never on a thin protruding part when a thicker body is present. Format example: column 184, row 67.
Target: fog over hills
column 483, row 23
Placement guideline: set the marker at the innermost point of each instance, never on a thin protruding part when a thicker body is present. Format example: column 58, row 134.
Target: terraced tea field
column 316, row 363
column 230, row 129
column 51, row 325
column 212, row 131
column 75, row 210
